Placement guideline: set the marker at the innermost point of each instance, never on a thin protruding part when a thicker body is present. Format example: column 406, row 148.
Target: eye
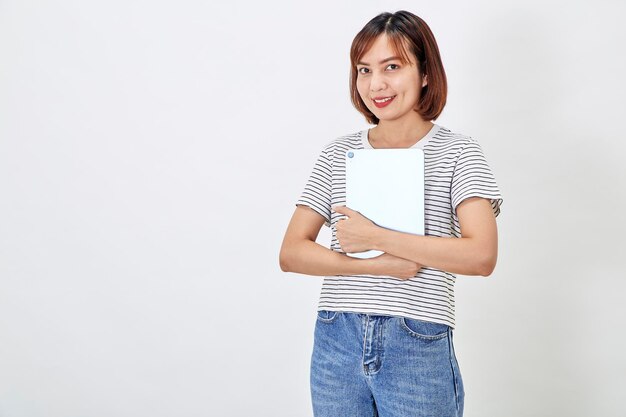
column 393, row 65
column 362, row 70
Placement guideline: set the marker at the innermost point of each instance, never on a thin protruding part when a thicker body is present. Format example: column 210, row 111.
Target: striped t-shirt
column 455, row 169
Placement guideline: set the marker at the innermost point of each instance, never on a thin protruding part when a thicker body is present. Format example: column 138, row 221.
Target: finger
column 344, row 210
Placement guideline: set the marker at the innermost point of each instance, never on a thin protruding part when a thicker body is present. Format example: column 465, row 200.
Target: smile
column 382, row 102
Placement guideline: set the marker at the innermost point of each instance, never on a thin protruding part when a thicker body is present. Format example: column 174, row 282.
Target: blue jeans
column 366, row 366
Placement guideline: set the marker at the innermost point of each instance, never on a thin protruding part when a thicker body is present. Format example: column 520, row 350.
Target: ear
column 425, row 80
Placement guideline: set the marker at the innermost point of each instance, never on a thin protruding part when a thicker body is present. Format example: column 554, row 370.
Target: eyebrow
column 391, row 58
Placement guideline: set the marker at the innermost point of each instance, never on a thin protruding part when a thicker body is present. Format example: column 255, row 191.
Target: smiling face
column 389, row 87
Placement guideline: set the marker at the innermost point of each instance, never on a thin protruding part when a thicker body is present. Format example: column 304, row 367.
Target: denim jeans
column 365, row 365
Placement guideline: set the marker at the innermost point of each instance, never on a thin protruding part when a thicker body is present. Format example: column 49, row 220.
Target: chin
column 387, row 117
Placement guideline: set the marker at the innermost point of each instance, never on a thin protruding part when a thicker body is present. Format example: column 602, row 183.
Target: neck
column 399, row 133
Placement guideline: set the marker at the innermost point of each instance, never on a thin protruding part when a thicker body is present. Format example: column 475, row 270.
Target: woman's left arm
column 474, row 253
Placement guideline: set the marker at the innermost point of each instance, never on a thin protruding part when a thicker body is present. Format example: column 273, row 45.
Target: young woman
column 383, row 336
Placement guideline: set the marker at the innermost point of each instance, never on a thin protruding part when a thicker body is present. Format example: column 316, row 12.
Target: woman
column 383, row 336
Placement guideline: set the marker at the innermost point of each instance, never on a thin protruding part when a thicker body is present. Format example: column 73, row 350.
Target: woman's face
column 389, row 88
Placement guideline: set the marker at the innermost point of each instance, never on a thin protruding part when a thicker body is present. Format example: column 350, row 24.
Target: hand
column 387, row 264
column 354, row 233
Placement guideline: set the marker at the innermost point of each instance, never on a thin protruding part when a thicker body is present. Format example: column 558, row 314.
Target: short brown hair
column 404, row 30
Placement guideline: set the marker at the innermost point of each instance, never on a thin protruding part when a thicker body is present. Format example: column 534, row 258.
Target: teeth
column 383, row 100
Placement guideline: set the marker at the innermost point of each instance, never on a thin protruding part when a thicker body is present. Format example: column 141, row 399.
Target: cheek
column 414, row 82
column 409, row 92
column 362, row 87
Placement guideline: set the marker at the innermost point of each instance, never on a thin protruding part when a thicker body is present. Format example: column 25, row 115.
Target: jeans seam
column 454, row 373
column 367, row 321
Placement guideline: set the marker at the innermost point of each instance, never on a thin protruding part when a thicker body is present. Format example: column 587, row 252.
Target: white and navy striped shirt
column 455, row 169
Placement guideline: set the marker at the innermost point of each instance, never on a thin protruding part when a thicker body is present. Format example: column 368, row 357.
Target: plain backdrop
column 151, row 154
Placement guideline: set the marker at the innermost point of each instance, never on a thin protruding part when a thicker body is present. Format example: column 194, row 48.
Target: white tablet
column 387, row 187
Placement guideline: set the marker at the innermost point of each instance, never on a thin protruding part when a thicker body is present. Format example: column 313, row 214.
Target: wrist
column 376, row 237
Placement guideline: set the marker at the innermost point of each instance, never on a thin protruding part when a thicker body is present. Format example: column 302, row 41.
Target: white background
column 151, row 154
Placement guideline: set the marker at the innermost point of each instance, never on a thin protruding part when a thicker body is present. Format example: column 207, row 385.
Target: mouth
column 381, row 102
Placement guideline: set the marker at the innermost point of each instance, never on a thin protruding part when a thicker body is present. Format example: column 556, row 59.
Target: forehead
column 384, row 47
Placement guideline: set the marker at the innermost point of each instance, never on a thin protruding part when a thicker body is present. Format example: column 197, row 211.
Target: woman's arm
column 300, row 253
column 475, row 253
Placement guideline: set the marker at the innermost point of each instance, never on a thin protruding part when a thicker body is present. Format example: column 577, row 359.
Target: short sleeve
column 317, row 191
column 472, row 177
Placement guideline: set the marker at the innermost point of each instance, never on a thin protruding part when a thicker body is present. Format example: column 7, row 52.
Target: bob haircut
column 404, row 31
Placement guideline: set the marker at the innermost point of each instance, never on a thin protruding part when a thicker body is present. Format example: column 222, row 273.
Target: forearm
column 464, row 256
column 310, row 258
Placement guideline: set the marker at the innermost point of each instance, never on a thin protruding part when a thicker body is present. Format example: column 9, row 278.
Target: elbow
column 487, row 266
column 486, row 271
column 282, row 261
column 290, row 256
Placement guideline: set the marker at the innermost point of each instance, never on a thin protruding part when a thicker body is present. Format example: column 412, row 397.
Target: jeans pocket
column 327, row 316
column 424, row 329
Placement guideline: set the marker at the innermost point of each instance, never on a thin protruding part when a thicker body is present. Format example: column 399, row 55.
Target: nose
column 377, row 82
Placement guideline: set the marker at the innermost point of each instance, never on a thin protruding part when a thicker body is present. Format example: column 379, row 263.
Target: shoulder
column 449, row 141
column 348, row 139
column 341, row 143
column 446, row 135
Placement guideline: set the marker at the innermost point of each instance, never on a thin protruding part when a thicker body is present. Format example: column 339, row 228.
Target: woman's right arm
column 301, row 254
